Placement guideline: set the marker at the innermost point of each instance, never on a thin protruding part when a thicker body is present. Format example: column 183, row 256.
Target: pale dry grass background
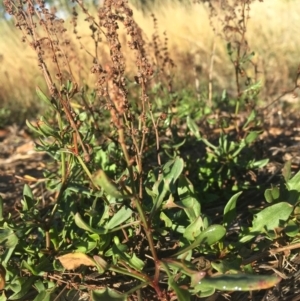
column 273, row 33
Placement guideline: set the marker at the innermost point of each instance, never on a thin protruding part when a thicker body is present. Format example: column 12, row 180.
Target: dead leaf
column 72, row 261
column 2, row 277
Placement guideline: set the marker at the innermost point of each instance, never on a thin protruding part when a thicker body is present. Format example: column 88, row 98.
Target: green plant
column 110, row 212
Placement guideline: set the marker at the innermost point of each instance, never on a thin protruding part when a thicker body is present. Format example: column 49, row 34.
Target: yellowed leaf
column 72, row 261
column 30, row 178
column 2, row 277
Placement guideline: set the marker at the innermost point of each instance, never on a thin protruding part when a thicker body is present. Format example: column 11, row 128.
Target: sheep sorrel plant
column 122, row 219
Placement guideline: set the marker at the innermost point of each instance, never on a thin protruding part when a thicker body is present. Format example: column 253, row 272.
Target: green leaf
column 187, row 198
column 294, row 182
column 171, row 172
column 240, row 282
column 3, row 296
column 47, row 129
column 33, row 128
column 269, row 219
column 166, row 219
column 43, row 97
column 28, row 197
column 204, row 291
column 292, row 229
column 251, row 118
column 260, row 163
column 209, row 236
column 230, row 210
column 286, row 171
column 31, row 268
column 83, row 225
column 22, row 287
column 118, row 251
column 225, row 266
column 39, row 286
column 194, row 229
column 272, row 194
column 119, row 217
column 43, row 296
column 182, row 294
column 8, row 237
column 101, row 180
column 101, row 264
column 107, row 294
column 193, row 127
column 136, row 262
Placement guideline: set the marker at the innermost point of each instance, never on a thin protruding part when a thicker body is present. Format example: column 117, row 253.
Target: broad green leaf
column 204, row 291
column 43, row 296
column 269, row 219
column 171, row 172
column 240, row 282
column 8, row 237
column 166, row 219
column 31, row 268
column 292, row 197
column 107, row 294
column 252, row 136
column 24, row 285
column 3, row 296
column 286, row 171
column 27, row 191
column 292, row 229
column 101, row 180
column 187, row 198
column 194, row 229
column 39, row 286
column 83, row 225
column 272, row 194
column 118, row 251
column 294, row 182
column 119, row 217
column 230, row 210
column 209, row 236
column 136, row 262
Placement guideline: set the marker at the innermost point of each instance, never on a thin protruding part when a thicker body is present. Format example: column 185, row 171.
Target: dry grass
column 18, row 76
column 273, row 33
